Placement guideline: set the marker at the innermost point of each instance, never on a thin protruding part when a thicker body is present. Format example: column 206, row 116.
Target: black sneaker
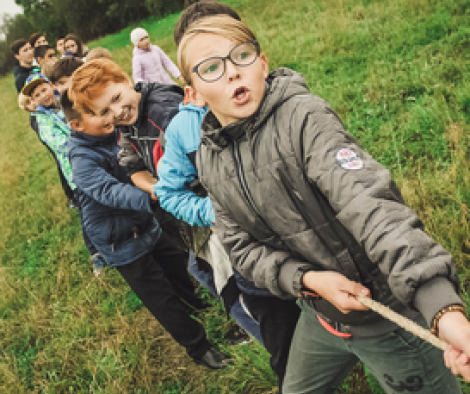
column 214, row 359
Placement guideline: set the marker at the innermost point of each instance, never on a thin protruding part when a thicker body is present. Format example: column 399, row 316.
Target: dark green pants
column 402, row 363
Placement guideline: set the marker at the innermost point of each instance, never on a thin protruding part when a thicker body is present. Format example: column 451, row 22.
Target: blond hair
column 219, row 25
column 99, row 53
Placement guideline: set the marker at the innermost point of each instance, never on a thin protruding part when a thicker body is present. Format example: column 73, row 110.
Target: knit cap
column 137, row 34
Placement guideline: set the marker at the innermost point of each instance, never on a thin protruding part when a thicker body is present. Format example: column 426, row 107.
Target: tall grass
column 397, row 74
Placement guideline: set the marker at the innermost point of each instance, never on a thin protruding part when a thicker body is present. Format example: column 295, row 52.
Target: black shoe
column 214, row 359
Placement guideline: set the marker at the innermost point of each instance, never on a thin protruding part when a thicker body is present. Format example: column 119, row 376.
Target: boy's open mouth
column 241, row 95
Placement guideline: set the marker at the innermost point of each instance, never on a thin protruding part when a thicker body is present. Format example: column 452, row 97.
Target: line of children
column 126, row 106
column 53, row 131
column 340, row 228
column 119, row 219
column 301, row 208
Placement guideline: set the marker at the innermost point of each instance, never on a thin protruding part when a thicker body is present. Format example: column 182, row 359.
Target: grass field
column 398, row 75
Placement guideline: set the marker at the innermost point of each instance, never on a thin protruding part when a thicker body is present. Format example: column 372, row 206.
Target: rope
column 402, row 321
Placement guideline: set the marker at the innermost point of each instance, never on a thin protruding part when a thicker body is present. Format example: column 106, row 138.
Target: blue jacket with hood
column 177, row 169
column 117, row 216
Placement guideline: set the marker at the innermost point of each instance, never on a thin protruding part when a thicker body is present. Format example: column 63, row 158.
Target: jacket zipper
column 241, row 177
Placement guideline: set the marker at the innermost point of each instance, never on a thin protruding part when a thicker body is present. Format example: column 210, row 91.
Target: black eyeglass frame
column 228, row 57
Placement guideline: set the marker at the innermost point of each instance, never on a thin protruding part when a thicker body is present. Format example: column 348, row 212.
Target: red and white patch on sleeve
column 348, row 159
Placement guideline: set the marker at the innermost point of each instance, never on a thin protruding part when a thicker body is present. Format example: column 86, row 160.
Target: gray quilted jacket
column 266, row 175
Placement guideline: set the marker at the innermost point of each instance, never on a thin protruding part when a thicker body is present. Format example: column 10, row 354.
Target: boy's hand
column 337, row 289
column 454, row 328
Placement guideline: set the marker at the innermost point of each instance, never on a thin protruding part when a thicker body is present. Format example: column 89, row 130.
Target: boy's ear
column 191, row 96
column 265, row 64
column 76, row 125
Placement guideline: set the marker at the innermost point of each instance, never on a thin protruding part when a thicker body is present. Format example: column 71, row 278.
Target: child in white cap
column 150, row 63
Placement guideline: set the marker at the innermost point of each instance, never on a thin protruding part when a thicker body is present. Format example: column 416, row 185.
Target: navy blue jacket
column 141, row 144
column 117, row 216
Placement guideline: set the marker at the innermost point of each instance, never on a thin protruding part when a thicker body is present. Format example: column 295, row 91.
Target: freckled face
column 119, row 101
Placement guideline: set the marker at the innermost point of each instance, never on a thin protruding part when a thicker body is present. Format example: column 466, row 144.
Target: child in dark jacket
column 301, row 208
column 119, row 220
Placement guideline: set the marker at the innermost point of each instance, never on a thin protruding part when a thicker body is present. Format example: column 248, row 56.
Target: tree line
column 89, row 19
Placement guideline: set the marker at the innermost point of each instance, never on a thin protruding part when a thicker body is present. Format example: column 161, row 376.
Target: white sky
column 10, row 7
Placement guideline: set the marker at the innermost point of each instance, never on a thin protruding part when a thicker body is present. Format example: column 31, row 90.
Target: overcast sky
column 9, row 7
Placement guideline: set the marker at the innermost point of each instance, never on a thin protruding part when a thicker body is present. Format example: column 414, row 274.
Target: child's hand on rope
column 454, row 328
column 337, row 289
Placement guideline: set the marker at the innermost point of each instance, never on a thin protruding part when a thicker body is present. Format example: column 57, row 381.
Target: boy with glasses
column 303, row 211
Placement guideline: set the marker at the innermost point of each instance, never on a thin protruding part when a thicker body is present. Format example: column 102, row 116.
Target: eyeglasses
column 213, row 68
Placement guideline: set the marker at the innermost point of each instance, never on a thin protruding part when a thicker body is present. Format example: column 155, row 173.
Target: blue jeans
column 237, row 311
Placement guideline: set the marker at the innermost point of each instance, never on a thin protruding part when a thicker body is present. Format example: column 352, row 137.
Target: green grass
column 397, row 73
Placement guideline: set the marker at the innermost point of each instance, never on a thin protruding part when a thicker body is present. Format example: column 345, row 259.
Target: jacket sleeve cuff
column 290, row 277
column 434, row 295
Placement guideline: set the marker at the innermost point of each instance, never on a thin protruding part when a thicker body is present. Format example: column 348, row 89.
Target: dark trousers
column 277, row 319
column 89, row 245
column 161, row 281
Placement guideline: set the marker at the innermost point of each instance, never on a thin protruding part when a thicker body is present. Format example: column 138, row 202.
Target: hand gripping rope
column 402, row 321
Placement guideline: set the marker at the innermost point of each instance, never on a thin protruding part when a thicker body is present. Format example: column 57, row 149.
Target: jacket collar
column 94, row 140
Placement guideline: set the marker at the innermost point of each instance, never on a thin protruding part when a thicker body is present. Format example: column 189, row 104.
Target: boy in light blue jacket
column 176, row 191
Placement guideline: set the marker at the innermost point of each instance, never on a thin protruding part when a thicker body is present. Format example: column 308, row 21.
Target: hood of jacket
column 149, row 89
column 281, row 85
column 191, row 108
